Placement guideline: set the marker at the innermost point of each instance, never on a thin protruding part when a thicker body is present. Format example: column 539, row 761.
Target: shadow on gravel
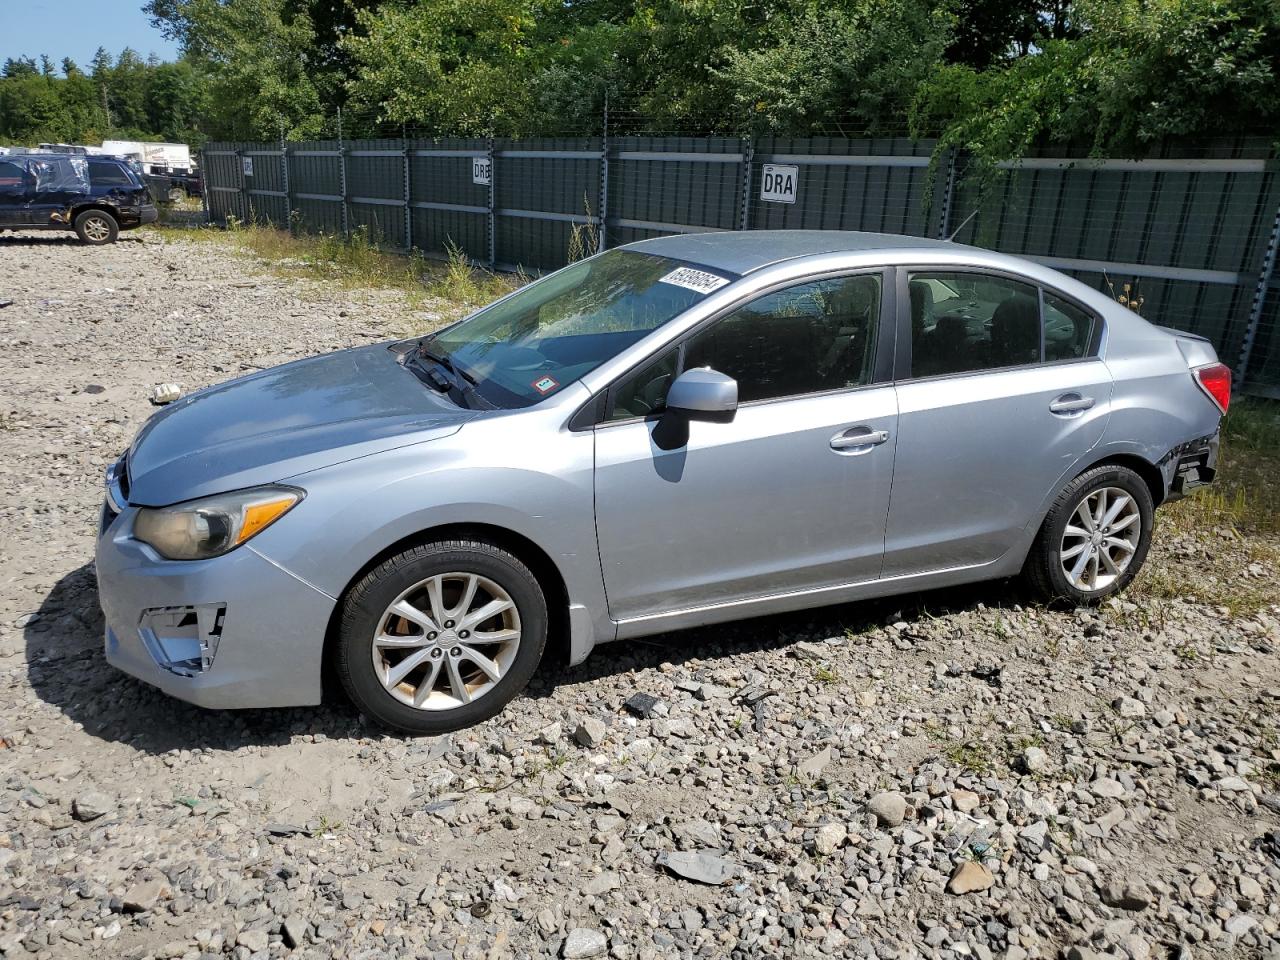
column 56, row 239
column 66, row 668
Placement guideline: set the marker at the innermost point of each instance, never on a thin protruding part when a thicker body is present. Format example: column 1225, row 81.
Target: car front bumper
column 233, row 631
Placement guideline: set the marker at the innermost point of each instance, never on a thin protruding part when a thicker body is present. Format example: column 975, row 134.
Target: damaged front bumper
column 232, row 631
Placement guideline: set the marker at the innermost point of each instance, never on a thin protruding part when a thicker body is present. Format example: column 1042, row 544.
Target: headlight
column 211, row 526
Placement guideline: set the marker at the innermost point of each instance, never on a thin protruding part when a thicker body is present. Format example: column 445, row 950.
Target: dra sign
column 481, row 170
column 779, row 182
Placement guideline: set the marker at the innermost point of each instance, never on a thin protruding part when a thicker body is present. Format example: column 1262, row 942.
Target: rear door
column 789, row 495
column 995, row 407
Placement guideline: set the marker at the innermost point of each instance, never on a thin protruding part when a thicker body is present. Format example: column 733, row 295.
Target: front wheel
column 96, row 228
column 1095, row 537
column 441, row 636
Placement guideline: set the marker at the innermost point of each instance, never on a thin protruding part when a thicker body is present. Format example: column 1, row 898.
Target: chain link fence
column 1190, row 233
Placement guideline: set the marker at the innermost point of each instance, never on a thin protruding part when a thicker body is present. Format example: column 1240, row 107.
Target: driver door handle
column 858, row 440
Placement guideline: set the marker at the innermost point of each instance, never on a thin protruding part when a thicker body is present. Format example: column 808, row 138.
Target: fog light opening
column 183, row 640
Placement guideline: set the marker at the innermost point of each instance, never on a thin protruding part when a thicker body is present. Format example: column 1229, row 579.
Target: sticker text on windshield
column 545, row 384
column 691, row 279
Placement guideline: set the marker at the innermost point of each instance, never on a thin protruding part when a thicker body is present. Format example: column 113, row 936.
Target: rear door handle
column 1071, row 403
column 858, row 440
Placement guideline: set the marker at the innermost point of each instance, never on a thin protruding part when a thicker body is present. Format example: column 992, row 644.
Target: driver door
column 780, row 499
column 13, row 191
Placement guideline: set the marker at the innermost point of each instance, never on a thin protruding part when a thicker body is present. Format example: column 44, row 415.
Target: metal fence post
column 1259, row 300
column 948, row 192
column 602, row 241
column 748, row 157
column 284, row 181
column 204, row 187
column 342, row 178
column 493, row 226
column 408, row 199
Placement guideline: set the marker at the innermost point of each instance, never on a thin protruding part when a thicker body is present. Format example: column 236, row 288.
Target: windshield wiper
column 458, row 373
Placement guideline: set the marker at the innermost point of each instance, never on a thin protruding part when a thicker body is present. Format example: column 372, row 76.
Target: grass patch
column 450, row 289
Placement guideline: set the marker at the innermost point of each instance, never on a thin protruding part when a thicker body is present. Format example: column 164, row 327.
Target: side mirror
column 703, row 394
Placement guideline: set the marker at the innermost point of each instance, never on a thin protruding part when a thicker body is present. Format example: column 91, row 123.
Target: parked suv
column 97, row 197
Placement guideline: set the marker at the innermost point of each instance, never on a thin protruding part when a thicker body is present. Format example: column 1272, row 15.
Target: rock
column 581, row 943
column 810, row 768
column 1233, row 785
column 810, row 651
column 1203, row 886
column 590, row 732
column 601, row 884
column 1035, row 760
column 549, row 735
column 889, row 808
column 255, row 941
column 1239, row 925
column 969, row 876
column 294, row 931
column 1129, row 895
column 91, row 806
column 964, row 801
column 1110, row 789
column 144, row 895
column 829, row 838
column 699, row 867
column 1250, row 889
column 642, row 704
column 1129, row 708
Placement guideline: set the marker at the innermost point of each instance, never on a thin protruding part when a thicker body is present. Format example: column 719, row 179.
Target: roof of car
column 747, row 250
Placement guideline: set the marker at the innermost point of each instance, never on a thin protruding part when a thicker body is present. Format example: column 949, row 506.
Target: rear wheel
column 96, row 227
column 441, row 636
column 1095, row 537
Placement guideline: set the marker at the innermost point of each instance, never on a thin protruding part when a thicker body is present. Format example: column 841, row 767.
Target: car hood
column 284, row 421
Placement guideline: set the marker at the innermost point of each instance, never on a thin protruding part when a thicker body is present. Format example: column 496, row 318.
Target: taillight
column 1215, row 380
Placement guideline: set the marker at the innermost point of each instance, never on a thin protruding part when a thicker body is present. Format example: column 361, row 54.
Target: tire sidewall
column 365, row 604
column 1065, row 507
column 112, row 232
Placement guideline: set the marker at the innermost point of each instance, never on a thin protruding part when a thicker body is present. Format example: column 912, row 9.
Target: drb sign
column 779, row 182
column 481, row 170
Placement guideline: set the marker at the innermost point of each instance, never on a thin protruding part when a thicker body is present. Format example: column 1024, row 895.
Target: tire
column 1059, row 566
column 97, row 227
column 445, row 687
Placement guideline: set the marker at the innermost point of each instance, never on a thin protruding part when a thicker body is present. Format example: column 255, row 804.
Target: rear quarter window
column 105, row 174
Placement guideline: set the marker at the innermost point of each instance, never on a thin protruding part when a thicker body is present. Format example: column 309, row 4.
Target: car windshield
column 555, row 331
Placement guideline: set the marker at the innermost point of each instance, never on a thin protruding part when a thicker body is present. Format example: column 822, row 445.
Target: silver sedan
column 677, row 432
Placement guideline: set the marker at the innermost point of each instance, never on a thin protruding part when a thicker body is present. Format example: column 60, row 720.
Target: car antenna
column 963, row 224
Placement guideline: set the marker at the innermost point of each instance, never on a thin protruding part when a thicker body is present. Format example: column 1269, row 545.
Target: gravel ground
column 949, row 775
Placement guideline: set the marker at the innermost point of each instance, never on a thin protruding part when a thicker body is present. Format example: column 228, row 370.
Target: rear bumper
column 234, row 631
column 1190, row 465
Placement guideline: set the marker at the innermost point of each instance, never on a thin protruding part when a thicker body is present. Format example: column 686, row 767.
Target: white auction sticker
column 691, row 279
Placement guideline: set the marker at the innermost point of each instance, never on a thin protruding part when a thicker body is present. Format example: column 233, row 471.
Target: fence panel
column 1186, row 229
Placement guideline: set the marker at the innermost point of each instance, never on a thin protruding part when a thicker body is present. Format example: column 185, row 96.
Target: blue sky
column 76, row 28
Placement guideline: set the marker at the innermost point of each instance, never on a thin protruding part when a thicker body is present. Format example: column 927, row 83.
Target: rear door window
column 104, row 173
column 12, row 176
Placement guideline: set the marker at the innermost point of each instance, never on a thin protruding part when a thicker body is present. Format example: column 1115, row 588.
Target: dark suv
column 97, row 197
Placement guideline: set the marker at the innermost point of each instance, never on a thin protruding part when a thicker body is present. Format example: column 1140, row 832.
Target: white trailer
column 158, row 158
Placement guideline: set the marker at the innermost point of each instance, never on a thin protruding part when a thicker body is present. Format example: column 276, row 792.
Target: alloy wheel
column 96, row 229
column 446, row 641
column 1100, row 539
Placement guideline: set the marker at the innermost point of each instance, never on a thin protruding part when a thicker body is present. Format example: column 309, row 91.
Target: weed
column 826, row 675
